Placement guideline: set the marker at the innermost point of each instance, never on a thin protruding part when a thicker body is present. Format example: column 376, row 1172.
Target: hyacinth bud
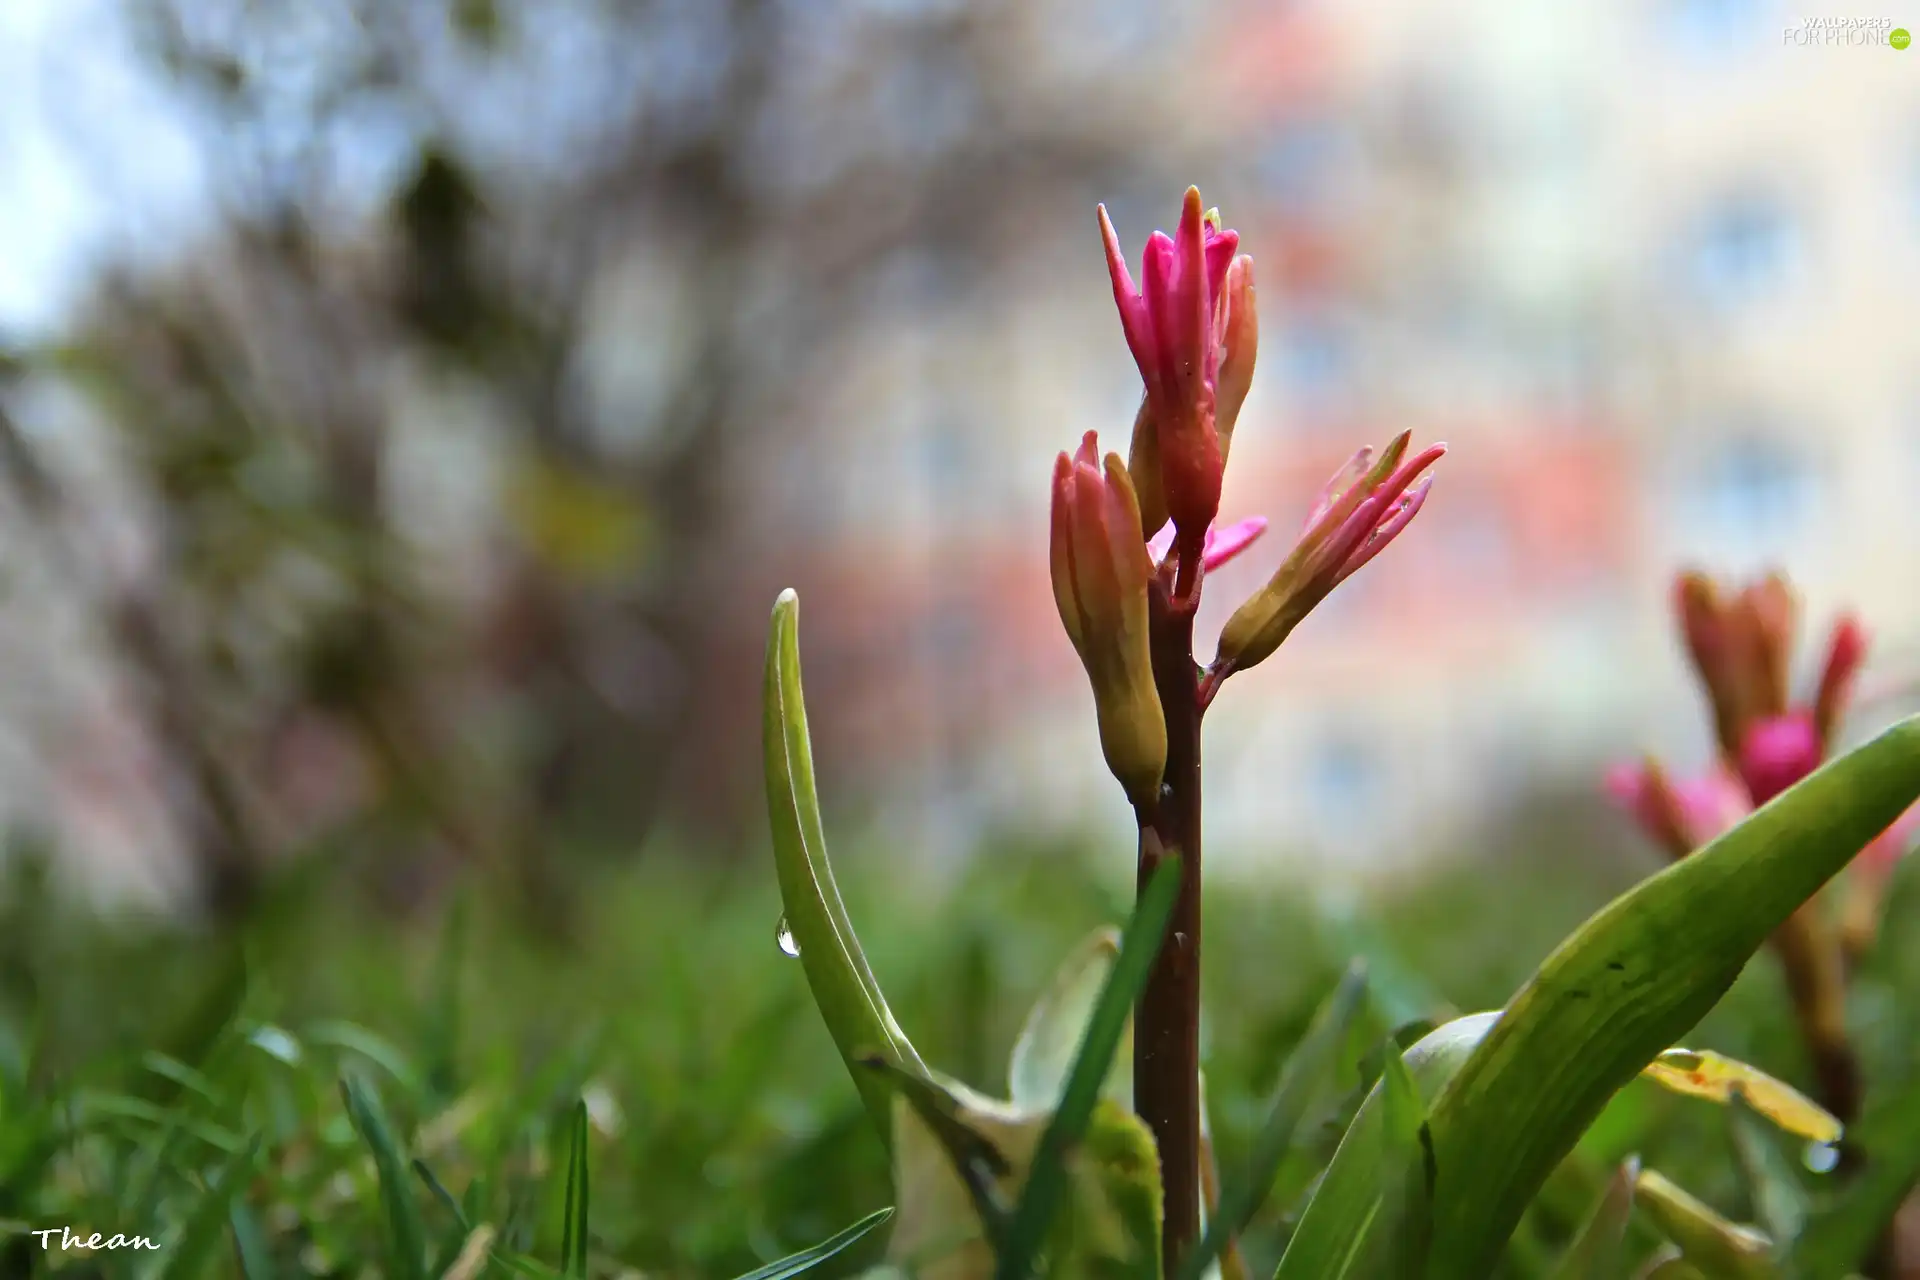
column 1362, row 509
column 1179, row 321
column 1100, row 570
column 1742, row 648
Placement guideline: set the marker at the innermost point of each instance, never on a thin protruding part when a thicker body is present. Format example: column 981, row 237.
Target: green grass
column 186, row 1085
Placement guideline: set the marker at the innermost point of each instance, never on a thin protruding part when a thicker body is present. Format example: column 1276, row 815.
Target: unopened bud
column 1100, row 570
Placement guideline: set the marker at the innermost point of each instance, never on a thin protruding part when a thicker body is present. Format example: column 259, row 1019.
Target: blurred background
column 409, row 410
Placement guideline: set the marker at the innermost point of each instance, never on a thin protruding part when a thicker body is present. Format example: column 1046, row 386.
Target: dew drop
column 1820, row 1157
column 783, row 938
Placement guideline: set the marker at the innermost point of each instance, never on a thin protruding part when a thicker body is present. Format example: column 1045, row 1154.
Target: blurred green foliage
column 141, row 1064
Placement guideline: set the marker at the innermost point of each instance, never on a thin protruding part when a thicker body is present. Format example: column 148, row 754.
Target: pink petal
column 1134, row 322
column 1336, row 488
column 1224, row 544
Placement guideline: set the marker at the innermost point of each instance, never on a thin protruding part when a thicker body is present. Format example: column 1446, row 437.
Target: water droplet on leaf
column 784, row 939
column 1820, row 1157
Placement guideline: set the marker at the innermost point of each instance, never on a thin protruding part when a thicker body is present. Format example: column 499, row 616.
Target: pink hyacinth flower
column 1681, row 816
column 1175, row 325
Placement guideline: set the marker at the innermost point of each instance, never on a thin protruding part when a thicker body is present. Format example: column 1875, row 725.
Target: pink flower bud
column 1176, row 321
column 1100, row 570
column 1361, row 510
column 1777, row 752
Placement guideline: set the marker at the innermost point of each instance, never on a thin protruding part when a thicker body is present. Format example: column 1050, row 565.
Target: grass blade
column 573, row 1247
column 208, row 1221
column 843, row 985
column 807, row 1259
column 1633, row 980
column 1306, row 1072
column 1047, row 1179
column 249, row 1245
column 409, row 1241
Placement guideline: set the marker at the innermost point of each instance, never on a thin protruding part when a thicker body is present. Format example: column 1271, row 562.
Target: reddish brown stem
column 1166, row 1046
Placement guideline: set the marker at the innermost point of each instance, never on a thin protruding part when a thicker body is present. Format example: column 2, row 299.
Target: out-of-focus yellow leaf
column 582, row 525
column 1705, row 1074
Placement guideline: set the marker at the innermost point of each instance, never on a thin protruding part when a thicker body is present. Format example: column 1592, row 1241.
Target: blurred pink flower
column 1680, row 816
column 1777, row 752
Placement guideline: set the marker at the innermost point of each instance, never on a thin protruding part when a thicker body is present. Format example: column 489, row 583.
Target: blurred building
column 1649, row 268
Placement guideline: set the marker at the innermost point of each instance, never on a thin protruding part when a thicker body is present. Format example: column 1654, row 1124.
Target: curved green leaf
column 409, row 1241
column 573, row 1241
column 842, row 982
column 1630, row 982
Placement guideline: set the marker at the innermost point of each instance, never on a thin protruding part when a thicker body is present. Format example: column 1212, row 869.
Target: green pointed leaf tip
column 844, row 988
column 807, row 1259
column 1632, row 981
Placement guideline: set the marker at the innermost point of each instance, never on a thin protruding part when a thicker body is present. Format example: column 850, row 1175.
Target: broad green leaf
column 1306, row 1072
column 1723, row 1250
column 1673, row 1268
column 1043, row 1054
column 573, row 1247
column 408, row 1245
column 1635, row 978
column 1339, row 1218
column 1595, row 1252
column 1839, row 1237
column 1046, row 1183
column 807, row 1259
column 1396, row 1243
column 843, row 985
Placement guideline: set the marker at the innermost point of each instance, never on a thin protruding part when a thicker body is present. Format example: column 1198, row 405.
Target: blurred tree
column 434, row 446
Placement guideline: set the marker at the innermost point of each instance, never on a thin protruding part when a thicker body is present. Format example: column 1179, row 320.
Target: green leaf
column 207, row 1223
column 1046, row 1183
column 807, row 1259
column 408, row 1243
column 1595, row 1252
column 1839, row 1238
column 1307, row 1071
column 844, row 988
column 1043, row 1055
column 1403, row 1223
column 1723, row 1250
column 573, row 1247
column 1632, row 981
column 1348, row 1206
